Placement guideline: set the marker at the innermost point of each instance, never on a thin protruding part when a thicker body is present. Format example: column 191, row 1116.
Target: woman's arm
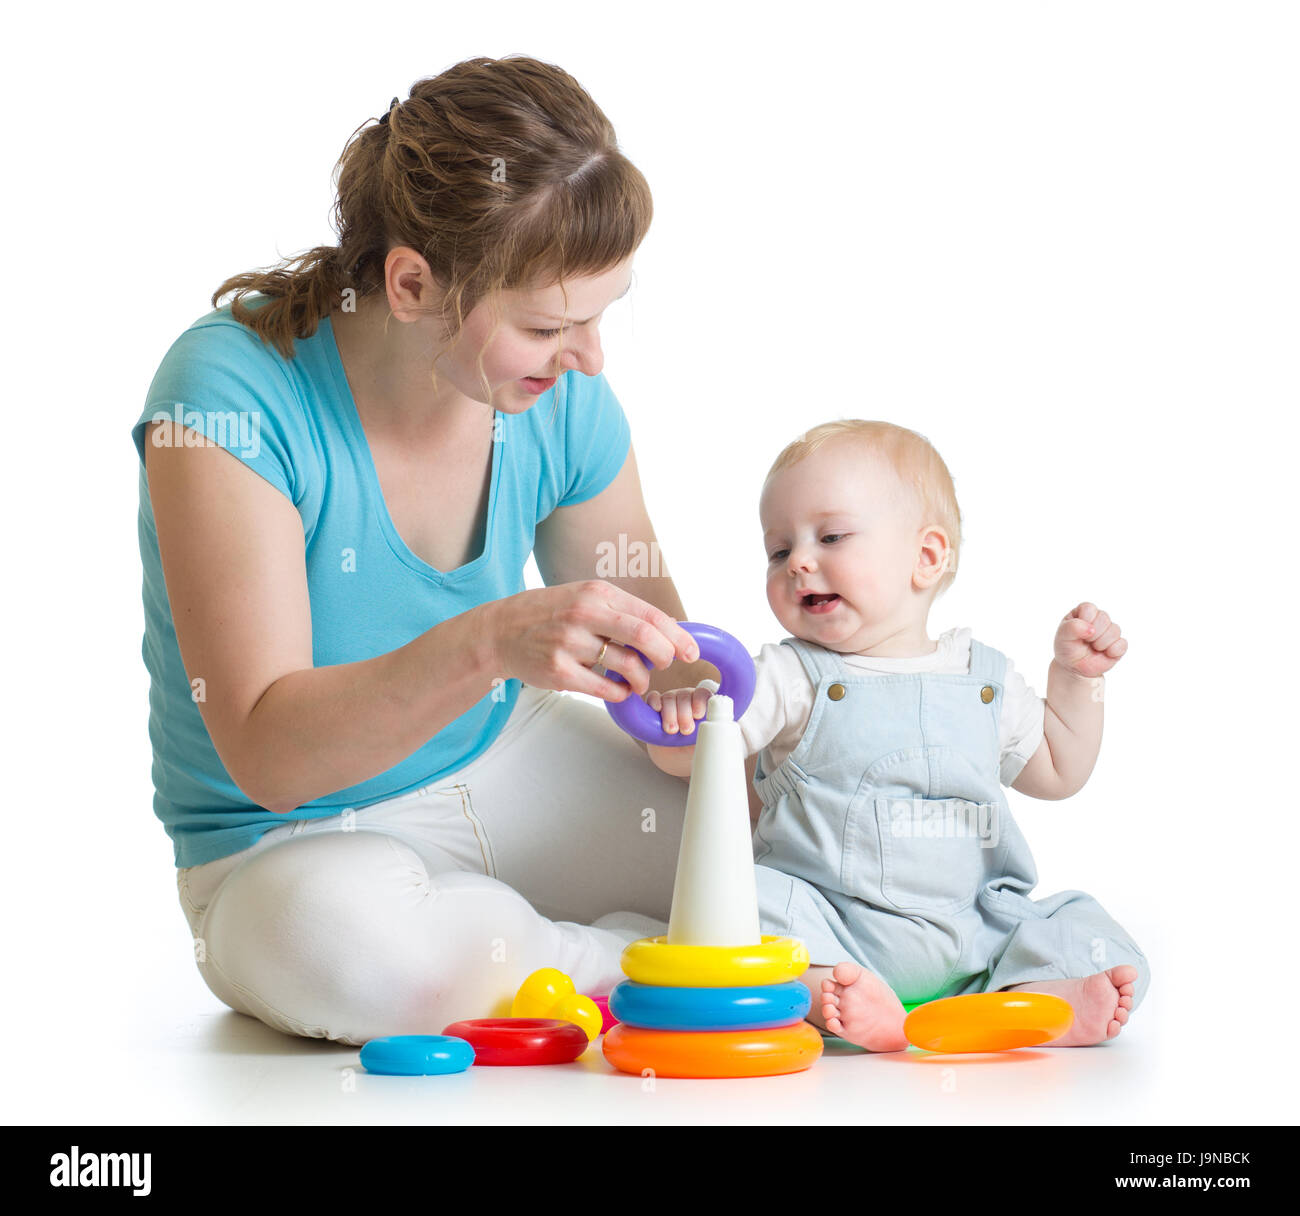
column 231, row 548
column 572, row 543
column 610, row 537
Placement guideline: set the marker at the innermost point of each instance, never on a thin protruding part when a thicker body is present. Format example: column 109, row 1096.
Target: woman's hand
column 551, row 637
column 679, row 707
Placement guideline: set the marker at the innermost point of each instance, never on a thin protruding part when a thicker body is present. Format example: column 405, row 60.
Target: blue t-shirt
column 294, row 421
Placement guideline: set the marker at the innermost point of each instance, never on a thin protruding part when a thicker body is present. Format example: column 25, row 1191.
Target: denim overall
column 886, row 838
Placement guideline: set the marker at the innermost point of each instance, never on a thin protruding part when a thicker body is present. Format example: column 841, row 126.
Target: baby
column 885, row 841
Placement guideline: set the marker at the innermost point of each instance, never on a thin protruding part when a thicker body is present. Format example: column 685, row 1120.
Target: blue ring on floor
column 417, row 1055
column 758, row 1007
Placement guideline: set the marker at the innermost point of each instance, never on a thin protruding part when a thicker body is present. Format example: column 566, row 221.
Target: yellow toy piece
column 988, row 1021
column 549, row 993
column 653, row 960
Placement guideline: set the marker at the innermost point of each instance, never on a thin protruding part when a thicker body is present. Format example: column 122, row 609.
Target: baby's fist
column 679, row 707
column 1088, row 642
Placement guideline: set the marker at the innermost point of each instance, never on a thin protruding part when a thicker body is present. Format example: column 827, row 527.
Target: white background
column 1058, row 239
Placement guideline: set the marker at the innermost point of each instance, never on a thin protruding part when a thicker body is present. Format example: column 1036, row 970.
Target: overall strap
column 817, row 661
column 987, row 663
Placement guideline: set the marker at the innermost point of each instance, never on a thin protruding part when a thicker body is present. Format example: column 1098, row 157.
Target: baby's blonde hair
column 919, row 468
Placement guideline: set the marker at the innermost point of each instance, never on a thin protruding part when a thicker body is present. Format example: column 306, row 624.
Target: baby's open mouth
column 813, row 600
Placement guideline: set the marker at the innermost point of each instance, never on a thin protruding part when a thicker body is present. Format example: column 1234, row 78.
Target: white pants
column 555, row 848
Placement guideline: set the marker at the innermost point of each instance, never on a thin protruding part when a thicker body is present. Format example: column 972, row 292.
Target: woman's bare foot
column 1101, row 1004
column 858, row 1006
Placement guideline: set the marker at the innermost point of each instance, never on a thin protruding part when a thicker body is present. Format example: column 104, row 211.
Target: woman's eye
column 546, row 333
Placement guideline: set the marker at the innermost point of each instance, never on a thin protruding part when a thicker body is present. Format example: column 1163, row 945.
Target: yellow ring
column 652, row 960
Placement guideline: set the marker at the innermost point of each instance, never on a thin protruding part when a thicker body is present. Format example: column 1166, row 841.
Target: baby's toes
column 1126, row 1002
column 847, row 973
column 1120, row 1015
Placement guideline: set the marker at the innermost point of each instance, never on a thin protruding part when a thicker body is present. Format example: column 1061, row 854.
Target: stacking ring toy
column 988, row 1021
column 416, row 1055
column 717, row 647
column 607, row 1018
column 652, row 960
column 756, row 1008
column 727, row 1053
column 521, row 1040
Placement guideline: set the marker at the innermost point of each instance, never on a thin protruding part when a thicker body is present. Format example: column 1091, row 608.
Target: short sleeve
column 597, row 437
column 220, row 380
column 1020, row 730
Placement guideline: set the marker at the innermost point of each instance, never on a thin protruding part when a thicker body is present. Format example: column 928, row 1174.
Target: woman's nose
column 582, row 351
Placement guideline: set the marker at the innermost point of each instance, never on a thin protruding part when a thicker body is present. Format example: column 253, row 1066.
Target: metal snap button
column 836, row 692
column 986, row 693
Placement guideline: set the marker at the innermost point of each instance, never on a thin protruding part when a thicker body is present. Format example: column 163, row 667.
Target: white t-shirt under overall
column 783, row 700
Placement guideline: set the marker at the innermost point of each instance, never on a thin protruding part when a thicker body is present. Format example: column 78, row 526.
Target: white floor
column 120, row 1038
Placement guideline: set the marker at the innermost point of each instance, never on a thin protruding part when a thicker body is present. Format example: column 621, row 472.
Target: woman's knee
column 347, row 936
column 313, row 933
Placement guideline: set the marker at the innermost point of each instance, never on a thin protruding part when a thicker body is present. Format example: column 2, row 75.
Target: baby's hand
column 679, row 707
column 1088, row 641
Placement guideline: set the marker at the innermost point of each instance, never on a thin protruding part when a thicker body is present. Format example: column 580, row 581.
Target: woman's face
column 533, row 339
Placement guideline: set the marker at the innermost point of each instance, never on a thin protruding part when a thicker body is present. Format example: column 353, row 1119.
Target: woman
column 384, row 817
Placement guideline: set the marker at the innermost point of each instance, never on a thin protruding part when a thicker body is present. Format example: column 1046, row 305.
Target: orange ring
column 988, row 1021
column 713, row 1053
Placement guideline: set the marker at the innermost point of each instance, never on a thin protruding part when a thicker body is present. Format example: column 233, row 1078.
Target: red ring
column 521, row 1040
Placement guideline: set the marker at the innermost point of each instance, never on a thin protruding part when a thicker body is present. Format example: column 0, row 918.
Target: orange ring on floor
column 713, row 1053
column 988, row 1021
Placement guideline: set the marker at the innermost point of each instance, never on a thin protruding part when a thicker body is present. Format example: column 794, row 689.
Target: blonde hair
column 919, row 468
column 501, row 173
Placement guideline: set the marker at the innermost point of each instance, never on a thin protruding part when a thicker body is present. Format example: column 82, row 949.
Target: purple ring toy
column 734, row 665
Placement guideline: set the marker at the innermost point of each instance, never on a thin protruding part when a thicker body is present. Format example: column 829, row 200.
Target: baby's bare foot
column 1101, row 1004
column 860, row 1007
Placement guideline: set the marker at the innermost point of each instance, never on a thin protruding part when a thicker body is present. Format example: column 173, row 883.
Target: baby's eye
column 780, row 553
column 832, row 537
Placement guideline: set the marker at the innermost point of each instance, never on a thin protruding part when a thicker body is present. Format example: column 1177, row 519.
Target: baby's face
column 842, row 537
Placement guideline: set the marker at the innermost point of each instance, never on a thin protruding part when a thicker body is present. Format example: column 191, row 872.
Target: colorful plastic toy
column 988, row 1021
column 549, row 993
column 714, row 968
column 754, row 1008
column 654, row 960
column 725, row 652
column 521, row 1040
column 416, row 1055
column 746, row 1053
column 608, row 1020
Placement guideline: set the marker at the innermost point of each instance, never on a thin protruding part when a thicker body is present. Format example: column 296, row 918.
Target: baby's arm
column 1087, row 645
column 679, row 709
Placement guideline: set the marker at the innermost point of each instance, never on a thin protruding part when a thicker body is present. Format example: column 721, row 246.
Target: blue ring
column 417, row 1055
column 762, row 1007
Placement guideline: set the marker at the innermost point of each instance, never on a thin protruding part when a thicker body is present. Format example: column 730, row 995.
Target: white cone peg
column 715, row 899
